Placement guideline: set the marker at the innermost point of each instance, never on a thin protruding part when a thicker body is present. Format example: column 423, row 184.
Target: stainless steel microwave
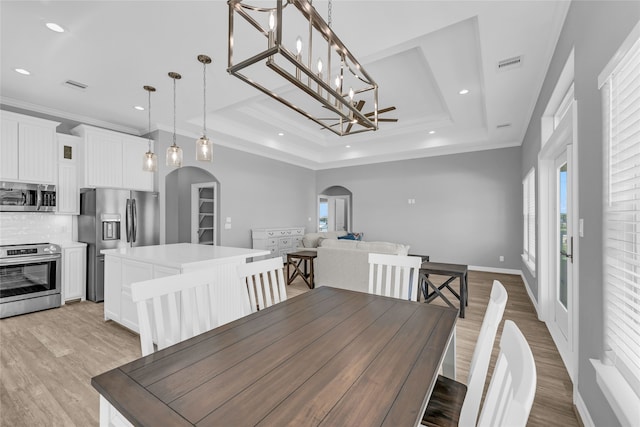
column 21, row 197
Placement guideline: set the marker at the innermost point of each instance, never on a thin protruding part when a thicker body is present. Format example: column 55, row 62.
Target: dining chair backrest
column 482, row 354
column 513, row 383
column 394, row 275
column 174, row 308
column 264, row 282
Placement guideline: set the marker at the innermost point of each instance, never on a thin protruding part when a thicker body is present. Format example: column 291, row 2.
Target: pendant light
column 204, row 147
column 150, row 160
column 174, row 153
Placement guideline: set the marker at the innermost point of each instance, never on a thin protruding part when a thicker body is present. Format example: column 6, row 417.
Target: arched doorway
column 334, row 209
column 178, row 227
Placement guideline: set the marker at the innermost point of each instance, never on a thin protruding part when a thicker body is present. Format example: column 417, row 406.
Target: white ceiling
column 421, row 54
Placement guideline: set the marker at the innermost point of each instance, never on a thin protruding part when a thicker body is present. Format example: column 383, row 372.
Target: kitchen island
column 124, row 266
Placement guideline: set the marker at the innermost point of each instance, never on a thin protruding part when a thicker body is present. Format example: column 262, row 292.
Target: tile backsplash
column 31, row 227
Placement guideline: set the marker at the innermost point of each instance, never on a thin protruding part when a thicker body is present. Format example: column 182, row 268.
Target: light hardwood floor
column 48, row 358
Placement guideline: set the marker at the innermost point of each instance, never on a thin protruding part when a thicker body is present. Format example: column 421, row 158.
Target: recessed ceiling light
column 22, row 71
column 464, row 91
column 431, row 132
column 280, row 133
column 139, row 107
column 347, row 146
column 54, row 27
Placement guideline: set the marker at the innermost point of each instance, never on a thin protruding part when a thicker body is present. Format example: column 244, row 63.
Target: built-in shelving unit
column 203, row 213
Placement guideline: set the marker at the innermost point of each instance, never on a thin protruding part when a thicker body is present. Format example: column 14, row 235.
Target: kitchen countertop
column 180, row 255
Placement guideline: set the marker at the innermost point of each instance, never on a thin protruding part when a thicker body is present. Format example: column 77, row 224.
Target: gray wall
column 596, row 30
column 253, row 191
column 468, row 206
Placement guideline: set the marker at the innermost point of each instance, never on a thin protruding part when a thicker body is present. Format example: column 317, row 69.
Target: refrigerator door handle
column 134, row 215
column 128, row 220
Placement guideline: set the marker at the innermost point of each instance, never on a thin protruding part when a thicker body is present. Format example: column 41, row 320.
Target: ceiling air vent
column 75, row 85
column 509, row 63
column 503, row 125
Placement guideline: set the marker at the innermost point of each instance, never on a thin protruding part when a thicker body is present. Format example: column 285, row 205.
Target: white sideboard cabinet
column 113, row 159
column 279, row 241
column 28, row 149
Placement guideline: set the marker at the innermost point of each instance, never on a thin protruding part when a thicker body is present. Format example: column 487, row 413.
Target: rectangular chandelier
column 319, row 78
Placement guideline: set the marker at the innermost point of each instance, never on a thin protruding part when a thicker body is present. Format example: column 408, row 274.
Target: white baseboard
column 582, row 410
column 533, row 300
column 495, row 270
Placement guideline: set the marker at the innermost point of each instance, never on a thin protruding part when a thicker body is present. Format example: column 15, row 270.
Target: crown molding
column 69, row 116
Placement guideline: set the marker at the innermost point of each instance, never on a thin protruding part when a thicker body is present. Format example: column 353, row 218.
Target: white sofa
column 345, row 263
column 310, row 241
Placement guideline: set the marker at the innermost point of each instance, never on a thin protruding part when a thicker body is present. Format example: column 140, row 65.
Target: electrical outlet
column 501, row 258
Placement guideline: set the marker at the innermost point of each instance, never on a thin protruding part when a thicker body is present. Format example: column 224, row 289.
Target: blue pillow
column 347, row 237
column 351, row 236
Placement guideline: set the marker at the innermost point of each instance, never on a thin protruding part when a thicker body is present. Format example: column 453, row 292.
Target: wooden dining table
column 328, row 357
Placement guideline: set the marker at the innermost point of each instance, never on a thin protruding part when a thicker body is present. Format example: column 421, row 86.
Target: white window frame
column 529, row 221
column 618, row 371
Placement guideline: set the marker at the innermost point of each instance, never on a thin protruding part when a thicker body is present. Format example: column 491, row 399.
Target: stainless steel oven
column 30, row 278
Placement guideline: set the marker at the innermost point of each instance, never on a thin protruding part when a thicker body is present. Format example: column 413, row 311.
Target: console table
column 454, row 271
column 304, row 259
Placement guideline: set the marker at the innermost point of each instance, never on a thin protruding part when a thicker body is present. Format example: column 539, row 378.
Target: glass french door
column 564, row 241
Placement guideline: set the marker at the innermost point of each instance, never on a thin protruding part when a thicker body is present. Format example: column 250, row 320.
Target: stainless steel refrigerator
column 111, row 219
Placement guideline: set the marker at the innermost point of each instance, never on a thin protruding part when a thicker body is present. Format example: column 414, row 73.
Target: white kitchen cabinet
column 28, row 148
column 74, row 261
column 133, row 177
column 113, row 160
column 68, row 196
column 112, row 288
column 132, row 271
column 9, row 149
column 279, row 241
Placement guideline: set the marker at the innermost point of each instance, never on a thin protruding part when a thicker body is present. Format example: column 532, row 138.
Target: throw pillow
column 349, row 236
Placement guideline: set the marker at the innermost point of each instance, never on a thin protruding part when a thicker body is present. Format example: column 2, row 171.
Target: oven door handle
column 30, row 259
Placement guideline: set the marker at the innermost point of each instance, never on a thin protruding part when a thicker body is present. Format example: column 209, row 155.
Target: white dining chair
column 174, row 308
column 453, row 403
column 264, row 281
column 394, row 275
column 513, row 384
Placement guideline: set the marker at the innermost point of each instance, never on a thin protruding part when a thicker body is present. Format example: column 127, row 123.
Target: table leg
column 311, row 276
column 289, row 280
column 463, row 295
column 449, row 362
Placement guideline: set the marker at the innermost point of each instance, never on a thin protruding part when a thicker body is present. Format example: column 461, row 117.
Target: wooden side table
column 455, row 271
column 302, row 259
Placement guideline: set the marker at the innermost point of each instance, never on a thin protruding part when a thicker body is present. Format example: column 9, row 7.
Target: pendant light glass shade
column 149, row 160
column 204, row 147
column 174, row 153
column 174, row 156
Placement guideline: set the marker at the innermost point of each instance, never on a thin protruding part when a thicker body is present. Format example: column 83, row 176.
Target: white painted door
column 558, row 244
column 563, row 242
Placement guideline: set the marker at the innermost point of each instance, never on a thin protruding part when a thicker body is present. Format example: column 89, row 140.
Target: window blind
column 621, row 107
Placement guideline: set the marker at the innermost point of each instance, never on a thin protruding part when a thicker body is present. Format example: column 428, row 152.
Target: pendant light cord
column 174, row 111
column 149, row 131
column 204, row 96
